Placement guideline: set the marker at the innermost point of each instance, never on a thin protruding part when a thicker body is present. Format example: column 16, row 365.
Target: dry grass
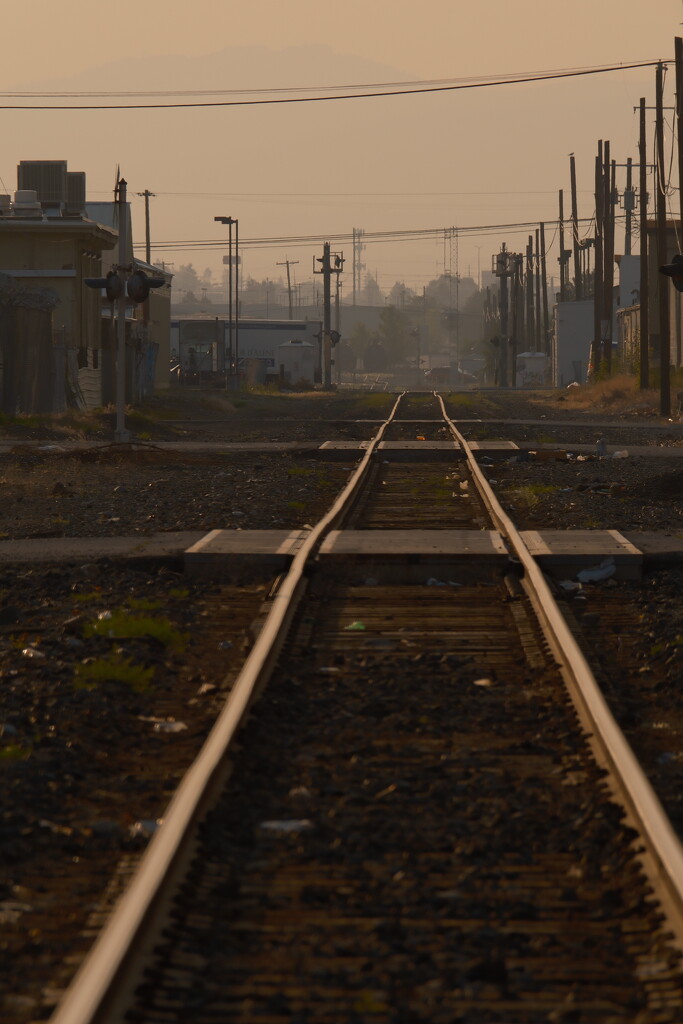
column 620, row 394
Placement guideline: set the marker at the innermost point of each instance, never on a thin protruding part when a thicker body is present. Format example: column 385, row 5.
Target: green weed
column 144, row 604
column 13, row 752
column 114, row 669
column 87, row 597
column 531, row 495
column 121, row 625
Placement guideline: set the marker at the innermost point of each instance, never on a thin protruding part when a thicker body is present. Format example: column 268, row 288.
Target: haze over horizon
column 435, row 160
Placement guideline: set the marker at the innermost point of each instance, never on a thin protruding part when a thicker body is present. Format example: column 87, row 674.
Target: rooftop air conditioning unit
column 47, row 177
column 75, row 192
column 26, row 204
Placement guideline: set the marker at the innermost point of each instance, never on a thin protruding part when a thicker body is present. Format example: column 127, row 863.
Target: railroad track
column 415, row 823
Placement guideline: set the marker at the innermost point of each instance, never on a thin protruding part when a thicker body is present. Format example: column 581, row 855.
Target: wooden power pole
column 544, row 294
column 288, row 264
column 644, row 297
column 578, row 289
column 609, row 184
column 679, row 129
column 563, row 293
column 662, row 258
column 596, row 348
column 148, row 245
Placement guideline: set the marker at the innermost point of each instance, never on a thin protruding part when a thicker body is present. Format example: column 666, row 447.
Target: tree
column 371, row 293
column 394, row 333
column 400, row 296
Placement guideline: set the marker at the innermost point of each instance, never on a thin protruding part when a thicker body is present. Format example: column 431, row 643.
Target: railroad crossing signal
column 112, row 284
column 674, row 270
column 137, row 286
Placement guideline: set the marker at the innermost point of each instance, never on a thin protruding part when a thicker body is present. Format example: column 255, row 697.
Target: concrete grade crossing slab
column 162, row 547
column 564, row 552
column 337, row 449
column 261, row 553
column 233, row 552
column 397, row 544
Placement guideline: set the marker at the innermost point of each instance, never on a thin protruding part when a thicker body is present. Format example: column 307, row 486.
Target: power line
column 407, row 235
column 378, row 91
column 429, row 82
column 337, row 195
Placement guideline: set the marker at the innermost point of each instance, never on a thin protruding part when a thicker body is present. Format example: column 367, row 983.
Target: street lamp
column 234, row 348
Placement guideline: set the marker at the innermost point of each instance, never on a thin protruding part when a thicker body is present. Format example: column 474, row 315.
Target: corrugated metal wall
column 27, row 357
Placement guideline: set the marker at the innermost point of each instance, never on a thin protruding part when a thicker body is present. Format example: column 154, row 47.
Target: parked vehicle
column 449, row 375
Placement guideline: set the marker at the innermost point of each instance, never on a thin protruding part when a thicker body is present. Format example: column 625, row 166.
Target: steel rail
column 94, row 995
column 665, row 864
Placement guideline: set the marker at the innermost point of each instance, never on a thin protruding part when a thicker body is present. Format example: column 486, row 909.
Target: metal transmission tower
column 358, row 265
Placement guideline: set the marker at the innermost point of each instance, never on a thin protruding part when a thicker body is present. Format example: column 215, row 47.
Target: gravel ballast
column 82, row 760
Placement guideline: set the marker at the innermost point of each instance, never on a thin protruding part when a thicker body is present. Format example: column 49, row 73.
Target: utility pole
column 544, row 290
column 628, row 207
column 237, row 298
column 502, row 272
column 609, row 181
column 663, row 284
column 563, row 293
column 596, row 347
column 538, row 347
column 288, row 264
column 529, row 318
column 230, row 363
column 121, row 435
column 357, row 266
column 578, row 290
column 148, row 245
column 327, row 315
column 644, row 297
column 517, row 310
column 679, row 128
column 353, row 267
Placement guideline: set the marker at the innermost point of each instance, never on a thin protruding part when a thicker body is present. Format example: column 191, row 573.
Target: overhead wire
column 416, row 83
column 298, row 241
column 381, row 90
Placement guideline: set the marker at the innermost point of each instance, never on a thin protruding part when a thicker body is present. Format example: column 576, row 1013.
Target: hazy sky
column 429, row 38
column 500, row 154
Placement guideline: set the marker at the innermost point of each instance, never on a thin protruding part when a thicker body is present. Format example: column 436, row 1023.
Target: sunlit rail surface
column 414, row 824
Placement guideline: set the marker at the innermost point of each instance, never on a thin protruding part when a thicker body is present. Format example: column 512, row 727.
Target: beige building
column 57, row 335
column 46, row 252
